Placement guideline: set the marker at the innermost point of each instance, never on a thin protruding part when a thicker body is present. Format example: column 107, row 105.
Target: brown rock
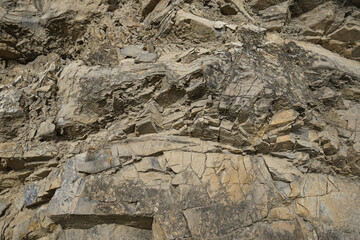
column 286, row 142
column 147, row 6
column 228, row 9
column 282, row 118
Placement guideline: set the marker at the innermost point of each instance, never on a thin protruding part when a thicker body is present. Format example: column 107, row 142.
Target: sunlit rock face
column 159, row 119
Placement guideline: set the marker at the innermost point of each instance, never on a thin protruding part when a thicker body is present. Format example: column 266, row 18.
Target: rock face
column 179, row 119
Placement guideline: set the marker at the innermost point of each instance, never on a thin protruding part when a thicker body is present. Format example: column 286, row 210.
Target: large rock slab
column 177, row 187
column 145, row 193
column 110, row 231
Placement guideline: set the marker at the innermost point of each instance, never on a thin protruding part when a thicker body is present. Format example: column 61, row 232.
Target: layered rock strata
column 179, row 119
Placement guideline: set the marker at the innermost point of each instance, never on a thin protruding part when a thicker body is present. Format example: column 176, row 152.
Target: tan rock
column 198, row 163
column 295, row 189
column 148, row 5
column 320, row 17
column 46, row 130
column 282, row 118
column 286, row 142
column 211, row 182
column 346, row 34
column 148, row 164
column 281, row 213
column 200, row 28
column 178, row 161
column 10, row 150
column 282, row 169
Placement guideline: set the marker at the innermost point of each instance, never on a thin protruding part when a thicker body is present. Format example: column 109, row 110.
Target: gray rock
column 30, row 194
column 46, row 130
column 228, row 9
column 106, row 231
column 275, row 16
column 263, row 4
column 131, row 51
column 95, row 161
column 3, row 207
column 146, row 57
column 11, row 114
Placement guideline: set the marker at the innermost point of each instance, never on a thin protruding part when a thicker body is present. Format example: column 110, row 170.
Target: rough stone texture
column 159, row 119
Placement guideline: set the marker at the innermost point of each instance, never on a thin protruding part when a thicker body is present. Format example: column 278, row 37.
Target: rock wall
column 179, row 119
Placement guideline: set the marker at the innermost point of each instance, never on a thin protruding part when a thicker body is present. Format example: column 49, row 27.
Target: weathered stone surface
column 197, row 180
column 110, row 231
column 46, row 130
column 3, row 207
column 303, row 6
column 229, row 9
column 160, row 119
column 131, row 51
column 148, row 5
column 346, row 34
column 42, row 191
column 283, row 118
column 11, row 114
column 275, row 16
column 261, row 5
column 198, row 28
column 325, row 14
column 191, row 190
column 95, row 161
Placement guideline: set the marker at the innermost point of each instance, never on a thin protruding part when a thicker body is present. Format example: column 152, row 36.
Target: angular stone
column 330, row 141
column 307, row 146
column 3, row 207
column 172, row 118
column 303, row 6
column 149, row 164
column 282, row 118
column 178, row 161
column 40, row 152
column 30, row 194
column 146, row 126
column 41, row 192
column 286, row 142
column 262, row 146
column 319, row 18
column 263, row 4
column 95, row 161
column 330, row 148
column 146, row 57
column 8, row 52
column 86, row 201
column 282, row 170
column 201, row 29
column 275, row 16
column 196, row 89
column 39, row 174
column 106, row 231
column 226, row 135
column 198, row 162
column 26, row 223
column 10, row 150
column 346, row 34
column 105, row 97
column 11, row 114
column 147, row 6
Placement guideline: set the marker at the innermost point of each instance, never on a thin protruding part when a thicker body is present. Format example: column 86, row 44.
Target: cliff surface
column 179, row 119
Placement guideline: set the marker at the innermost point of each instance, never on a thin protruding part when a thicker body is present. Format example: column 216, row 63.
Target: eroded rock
column 189, row 119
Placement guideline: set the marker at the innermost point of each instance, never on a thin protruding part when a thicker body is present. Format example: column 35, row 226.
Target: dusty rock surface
column 179, row 119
